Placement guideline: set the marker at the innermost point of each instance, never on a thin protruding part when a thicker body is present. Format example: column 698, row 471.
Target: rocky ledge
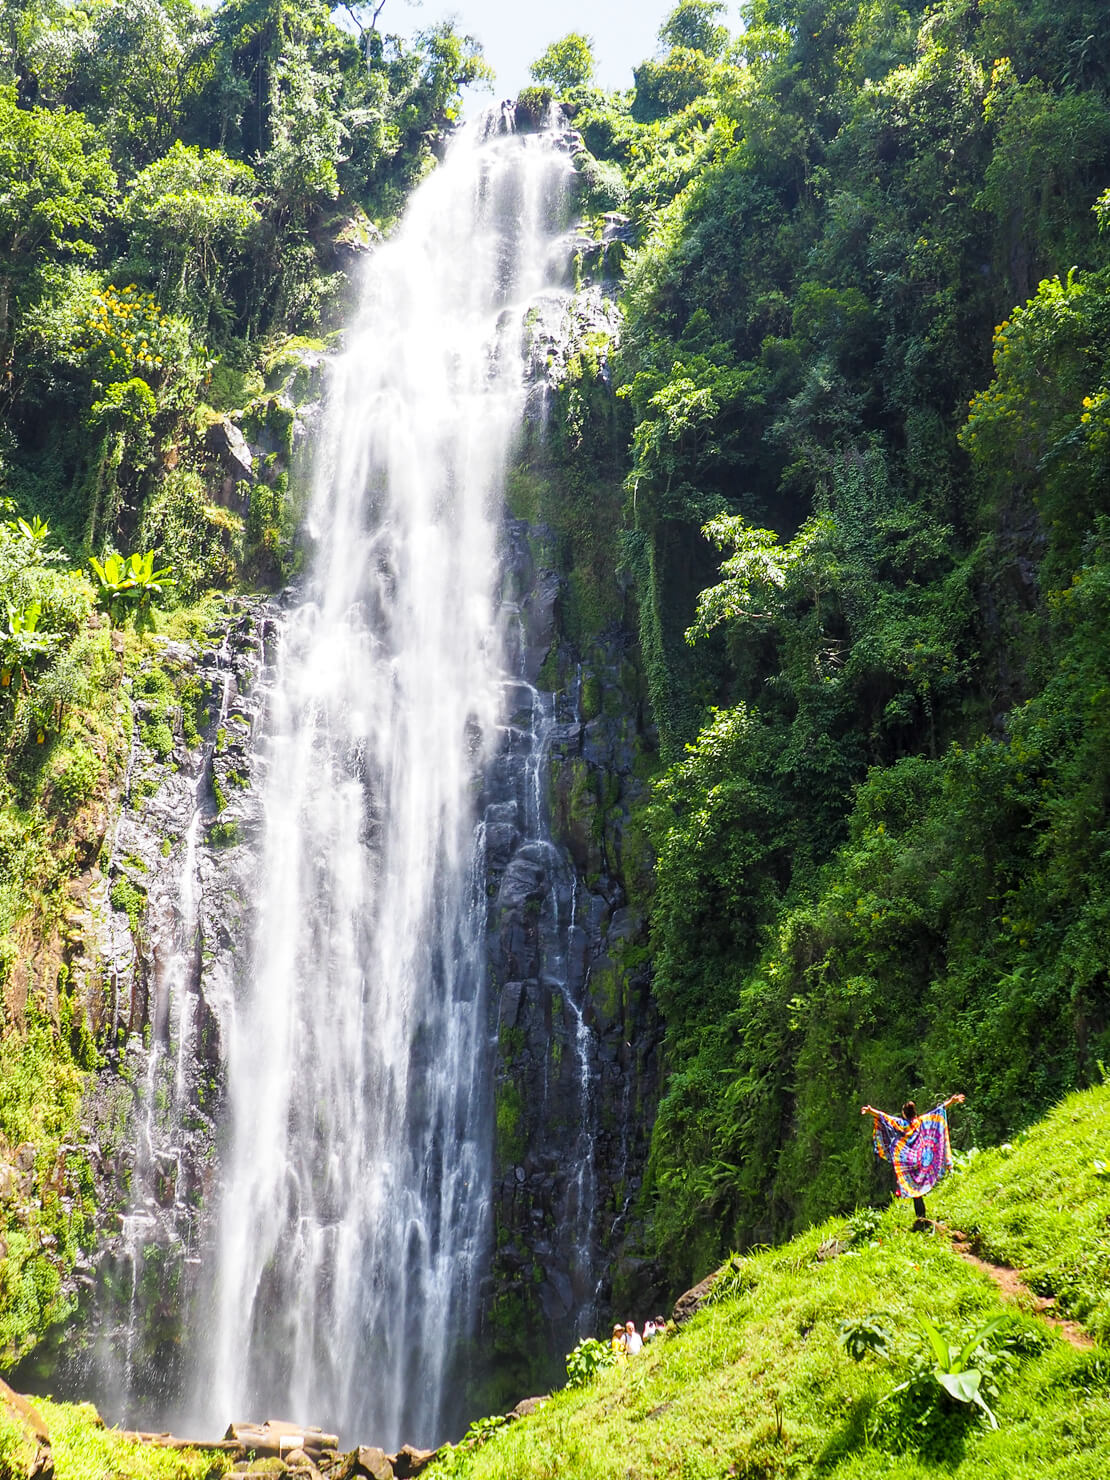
column 299, row 1450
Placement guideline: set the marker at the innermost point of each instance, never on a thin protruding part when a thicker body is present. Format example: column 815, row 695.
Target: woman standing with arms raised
column 917, row 1148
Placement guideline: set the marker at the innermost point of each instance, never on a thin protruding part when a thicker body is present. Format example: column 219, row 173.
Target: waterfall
column 353, row 1227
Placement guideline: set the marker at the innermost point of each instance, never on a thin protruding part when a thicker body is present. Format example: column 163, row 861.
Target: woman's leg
column 919, row 1207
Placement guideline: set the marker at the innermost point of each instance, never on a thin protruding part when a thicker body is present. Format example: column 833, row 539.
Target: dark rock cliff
column 578, row 1040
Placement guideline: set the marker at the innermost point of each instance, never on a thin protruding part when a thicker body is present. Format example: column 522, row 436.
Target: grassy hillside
column 761, row 1382
column 84, row 1450
column 1042, row 1205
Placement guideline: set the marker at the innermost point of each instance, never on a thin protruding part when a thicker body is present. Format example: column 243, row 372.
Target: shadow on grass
column 872, row 1424
column 850, row 1436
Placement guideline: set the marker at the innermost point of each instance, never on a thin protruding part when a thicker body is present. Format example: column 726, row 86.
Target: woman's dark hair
column 909, row 1111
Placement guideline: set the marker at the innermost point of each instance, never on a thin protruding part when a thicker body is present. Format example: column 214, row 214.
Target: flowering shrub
column 126, row 334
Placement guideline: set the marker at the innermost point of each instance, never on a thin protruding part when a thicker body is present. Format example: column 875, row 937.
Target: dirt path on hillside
column 1013, row 1288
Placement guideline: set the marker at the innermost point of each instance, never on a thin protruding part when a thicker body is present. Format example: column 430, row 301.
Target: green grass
column 759, row 1386
column 17, row 1452
column 84, row 1450
column 1042, row 1205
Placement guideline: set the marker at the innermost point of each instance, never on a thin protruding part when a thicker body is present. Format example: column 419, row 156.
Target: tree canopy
column 566, row 64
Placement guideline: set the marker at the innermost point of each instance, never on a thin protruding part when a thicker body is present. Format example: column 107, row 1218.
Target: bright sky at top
column 514, row 33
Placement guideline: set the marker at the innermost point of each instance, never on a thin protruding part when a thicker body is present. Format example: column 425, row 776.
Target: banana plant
column 35, row 532
column 130, row 582
column 29, row 539
column 22, row 645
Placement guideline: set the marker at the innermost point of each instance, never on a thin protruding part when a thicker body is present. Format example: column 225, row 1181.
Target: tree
column 190, row 213
column 566, row 64
column 667, row 86
column 55, row 186
column 131, row 66
column 692, row 24
column 1050, row 152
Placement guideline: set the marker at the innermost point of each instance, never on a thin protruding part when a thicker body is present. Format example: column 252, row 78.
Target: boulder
column 278, row 1439
column 409, row 1462
column 617, row 227
column 364, row 1463
column 36, row 1460
column 228, row 443
column 693, row 1300
column 527, row 1406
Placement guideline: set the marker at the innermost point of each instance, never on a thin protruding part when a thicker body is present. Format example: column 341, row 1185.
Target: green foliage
column 453, row 1457
column 877, row 739
column 56, row 185
column 694, row 25
column 127, row 896
column 75, row 774
column 566, row 64
column 667, row 86
column 944, row 1375
column 16, row 1451
column 863, row 1226
column 508, row 1115
column 202, row 543
column 763, row 1381
column 1050, row 150
column 587, row 1359
column 191, row 214
column 40, row 1089
column 865, row 1336
column 85, row 1450
column 250, row 138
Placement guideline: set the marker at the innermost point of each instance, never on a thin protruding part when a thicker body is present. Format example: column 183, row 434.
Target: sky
column 514, row 33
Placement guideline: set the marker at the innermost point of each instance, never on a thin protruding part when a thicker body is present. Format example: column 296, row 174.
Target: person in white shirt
column 632, row 1339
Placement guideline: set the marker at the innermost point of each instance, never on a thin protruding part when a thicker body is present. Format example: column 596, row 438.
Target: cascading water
column 354, row 1222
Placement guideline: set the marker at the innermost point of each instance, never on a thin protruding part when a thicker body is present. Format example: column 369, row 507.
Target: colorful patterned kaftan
column 919, row 1152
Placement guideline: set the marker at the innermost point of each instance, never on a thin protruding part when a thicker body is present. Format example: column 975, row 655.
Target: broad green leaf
column 977, row 1340
column 963, row 1386
column 938, row 1343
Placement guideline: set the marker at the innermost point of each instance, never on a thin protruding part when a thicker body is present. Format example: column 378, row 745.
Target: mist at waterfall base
column 354, row 1227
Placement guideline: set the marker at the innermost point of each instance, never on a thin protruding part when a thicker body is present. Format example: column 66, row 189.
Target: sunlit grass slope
column 1042, row 1205
column 760, row 1384
column 84, row 1450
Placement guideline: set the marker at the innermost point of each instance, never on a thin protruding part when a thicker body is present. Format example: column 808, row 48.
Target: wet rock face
column 170, row 913
column 577, row 1057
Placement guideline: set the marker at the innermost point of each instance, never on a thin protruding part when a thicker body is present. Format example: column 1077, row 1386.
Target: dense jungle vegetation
column 856, row 471
column 865, row 361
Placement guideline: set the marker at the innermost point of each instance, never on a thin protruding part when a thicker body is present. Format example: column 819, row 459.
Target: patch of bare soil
column 1014, row 1288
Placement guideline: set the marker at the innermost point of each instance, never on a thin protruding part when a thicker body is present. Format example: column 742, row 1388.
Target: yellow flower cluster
column 127, row 331
column 1001, row 342
column 1096, row 417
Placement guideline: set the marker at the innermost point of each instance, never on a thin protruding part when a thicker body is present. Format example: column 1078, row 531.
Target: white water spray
column 356, row 1190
